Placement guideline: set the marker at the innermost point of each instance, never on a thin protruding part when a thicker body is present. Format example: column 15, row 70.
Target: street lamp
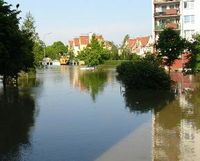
column 45, row 35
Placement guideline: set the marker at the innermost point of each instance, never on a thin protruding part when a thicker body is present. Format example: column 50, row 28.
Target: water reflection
column 17, row 110
column 148, row 100
column 89, row 81
column 176, row 132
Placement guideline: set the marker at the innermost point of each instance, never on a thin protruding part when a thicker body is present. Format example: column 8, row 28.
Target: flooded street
column 67, row 114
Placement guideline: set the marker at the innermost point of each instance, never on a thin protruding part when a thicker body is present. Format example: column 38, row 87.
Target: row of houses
column 140, row 45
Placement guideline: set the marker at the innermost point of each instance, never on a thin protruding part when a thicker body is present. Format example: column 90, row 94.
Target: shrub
column 143, row 74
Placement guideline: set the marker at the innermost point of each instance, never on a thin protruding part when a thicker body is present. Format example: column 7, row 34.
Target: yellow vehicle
column 64, row 60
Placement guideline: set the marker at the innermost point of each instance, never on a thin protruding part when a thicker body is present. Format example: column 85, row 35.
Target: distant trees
column 16, row 46
column 95, row 53
column 169, row 46
column 55, row 49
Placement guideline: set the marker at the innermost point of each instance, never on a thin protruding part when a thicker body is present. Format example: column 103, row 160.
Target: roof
column 84, row 40
column 76, row 42
column 144, row 40
column 131, row 42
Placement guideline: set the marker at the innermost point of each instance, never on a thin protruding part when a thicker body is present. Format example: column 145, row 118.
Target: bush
column 143, row 74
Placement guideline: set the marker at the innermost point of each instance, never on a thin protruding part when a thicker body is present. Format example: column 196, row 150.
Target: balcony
column 166, row 1
column 172, row 25
column 172, row 12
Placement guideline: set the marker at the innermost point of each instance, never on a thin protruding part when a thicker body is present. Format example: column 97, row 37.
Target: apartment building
column 180, row 15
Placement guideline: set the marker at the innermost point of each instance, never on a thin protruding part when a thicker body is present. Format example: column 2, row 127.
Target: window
column 189, row 4
column 189, row 19
column 188, row 34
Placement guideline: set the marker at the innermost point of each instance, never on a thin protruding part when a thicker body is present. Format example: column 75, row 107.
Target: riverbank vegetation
column 145, row 73
column 194, row 56
column 16, row 45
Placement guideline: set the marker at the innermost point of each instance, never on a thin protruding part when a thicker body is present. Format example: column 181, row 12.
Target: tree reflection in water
column 17, row 109
column 94, row 82
column 141, row 101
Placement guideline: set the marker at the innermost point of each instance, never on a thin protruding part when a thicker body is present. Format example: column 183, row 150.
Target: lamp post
column 44, row 42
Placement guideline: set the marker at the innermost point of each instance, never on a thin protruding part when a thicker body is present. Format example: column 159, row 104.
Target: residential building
column 140, row 45
column 79, row 43
column 180, row 15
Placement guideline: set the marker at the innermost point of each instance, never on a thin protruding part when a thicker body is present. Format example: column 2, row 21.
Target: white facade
column 190, row 18
column 181, row 15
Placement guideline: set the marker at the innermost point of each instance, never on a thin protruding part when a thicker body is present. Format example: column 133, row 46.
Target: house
column 79, row 43
column 140, row 45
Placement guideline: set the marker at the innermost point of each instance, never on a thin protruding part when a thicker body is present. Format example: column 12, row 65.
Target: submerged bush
column 143, row 74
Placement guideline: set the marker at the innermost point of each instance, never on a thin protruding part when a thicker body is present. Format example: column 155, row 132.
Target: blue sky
column 66, row 19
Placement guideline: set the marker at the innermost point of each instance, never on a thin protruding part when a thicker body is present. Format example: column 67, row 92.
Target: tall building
column 180, row 15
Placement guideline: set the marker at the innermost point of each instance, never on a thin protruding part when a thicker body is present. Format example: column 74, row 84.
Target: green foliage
column 28, row 26
column 16, row 46
column 125, row 41
column 38, row 51
column 143, row 74
column 170, row 45
column 94, row 54
column 54, row 51
column 194, row 57
column 94, row 82
column 113, row 50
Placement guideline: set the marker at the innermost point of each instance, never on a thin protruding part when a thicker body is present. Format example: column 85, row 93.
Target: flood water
column 66, row 114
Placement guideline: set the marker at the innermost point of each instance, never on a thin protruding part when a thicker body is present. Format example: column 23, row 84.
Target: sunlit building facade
column 180, row 15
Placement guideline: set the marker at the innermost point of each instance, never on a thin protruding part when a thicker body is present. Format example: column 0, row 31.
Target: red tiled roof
column 131, row 42
column 76, row 42
column 84, row 40
column 144, row 40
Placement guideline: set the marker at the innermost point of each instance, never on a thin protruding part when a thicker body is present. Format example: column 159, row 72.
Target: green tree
column 38, row 50
column 16, row 45
column 28, row 26
column 95, row 53
column 143, row 74
column 126, row 53
column 113, row 50
column 125, row 41
column 169, row 46
column 54, row 51
column 194, row 57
